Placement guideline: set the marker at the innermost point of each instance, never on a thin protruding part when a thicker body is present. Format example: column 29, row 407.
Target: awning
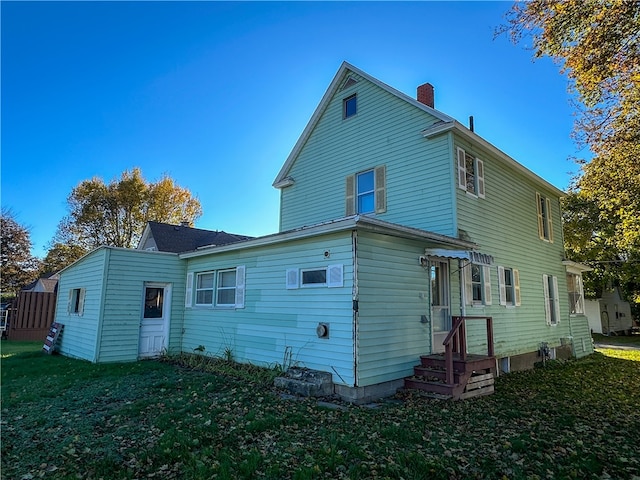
column 473, row 256
column 444, row 253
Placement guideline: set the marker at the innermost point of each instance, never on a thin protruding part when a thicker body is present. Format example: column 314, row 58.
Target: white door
column 154, row 325
column 440, row 310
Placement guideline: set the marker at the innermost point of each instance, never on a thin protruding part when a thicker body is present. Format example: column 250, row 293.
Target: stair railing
column 456, row 342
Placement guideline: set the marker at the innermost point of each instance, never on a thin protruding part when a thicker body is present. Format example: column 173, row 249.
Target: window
column 350, row 106
column 316, row 278
column 470, row 174
column 204, row 288
column 545, row 225
column 366, row 192
column 153, row 302
column 76, row 301
column 477, row 284
column 226, row 290
column 576, row 294
column 509, row 284
column 331, row 276
column 552, row 302
column 228, row 286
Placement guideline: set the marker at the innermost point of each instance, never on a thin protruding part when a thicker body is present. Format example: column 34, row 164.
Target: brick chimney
column 425, row 94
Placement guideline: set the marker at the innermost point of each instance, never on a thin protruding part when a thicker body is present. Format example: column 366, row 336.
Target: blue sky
column 215, row 94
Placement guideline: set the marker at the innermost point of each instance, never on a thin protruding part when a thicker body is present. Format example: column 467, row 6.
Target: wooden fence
column 32, row 316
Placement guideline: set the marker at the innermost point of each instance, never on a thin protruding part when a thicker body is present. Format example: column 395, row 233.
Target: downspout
column 354, row 251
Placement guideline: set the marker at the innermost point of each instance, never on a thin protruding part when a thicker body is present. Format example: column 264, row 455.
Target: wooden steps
column 472, row 376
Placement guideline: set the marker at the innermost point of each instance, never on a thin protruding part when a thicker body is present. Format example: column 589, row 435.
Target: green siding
column 504, row 224
column 275, row 319
column 128, row 271
column 113, row 279
column 80, row 332
column 385, row 131
column 393, row 295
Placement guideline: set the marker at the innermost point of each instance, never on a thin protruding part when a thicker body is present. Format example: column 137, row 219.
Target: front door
column 440, row 309
column 154, row 326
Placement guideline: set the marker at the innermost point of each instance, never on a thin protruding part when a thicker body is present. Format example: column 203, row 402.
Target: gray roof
column 180, row 238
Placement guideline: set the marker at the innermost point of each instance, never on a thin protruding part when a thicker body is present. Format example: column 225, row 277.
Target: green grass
column 69, row 419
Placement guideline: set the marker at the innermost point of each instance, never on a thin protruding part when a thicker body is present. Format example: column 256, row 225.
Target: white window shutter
column 540, row 217
column 350, row 196
column 502, row 286
column 462, row 170
column 468, row 288
column 516, row 286
column 240, row 286
column 486, row 278
column 188, row 295
column 334, row 276
column 547, row 308
column 480, row 176
column 549, row 221
column 81, row 301
column 380, row 175
column 556, row 300
column 292, row 278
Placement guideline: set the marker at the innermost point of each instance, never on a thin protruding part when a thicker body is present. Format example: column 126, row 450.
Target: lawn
column 64, row 418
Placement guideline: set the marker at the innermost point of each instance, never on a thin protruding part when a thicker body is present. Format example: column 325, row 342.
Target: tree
column 18, row 267
column 597, row 45
column 115, row 214
column 61, row 255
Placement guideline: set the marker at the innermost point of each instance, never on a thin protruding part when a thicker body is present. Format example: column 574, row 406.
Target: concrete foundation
column 368, row 394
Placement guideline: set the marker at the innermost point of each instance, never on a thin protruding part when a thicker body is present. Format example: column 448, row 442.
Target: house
column 610, row 314
column 164, row 237
column 403, row 234
column 46, row 283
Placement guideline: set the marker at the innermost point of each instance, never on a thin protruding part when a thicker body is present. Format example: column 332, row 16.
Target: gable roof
column 181, row 238
column 445, row 124
column 336, row 83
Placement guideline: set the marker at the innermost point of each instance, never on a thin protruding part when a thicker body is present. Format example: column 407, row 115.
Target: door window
column 153, row 301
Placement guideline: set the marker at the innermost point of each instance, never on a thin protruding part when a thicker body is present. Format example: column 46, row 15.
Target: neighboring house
column 164, row 237
column 610, row 314
column 394, row 220
column 47, row 283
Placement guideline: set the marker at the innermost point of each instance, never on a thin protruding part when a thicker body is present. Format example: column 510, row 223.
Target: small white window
column 76, row 301
column 331, row 277
column 314, row 278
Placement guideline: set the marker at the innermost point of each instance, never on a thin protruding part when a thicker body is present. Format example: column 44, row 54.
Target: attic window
column 349, row 106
